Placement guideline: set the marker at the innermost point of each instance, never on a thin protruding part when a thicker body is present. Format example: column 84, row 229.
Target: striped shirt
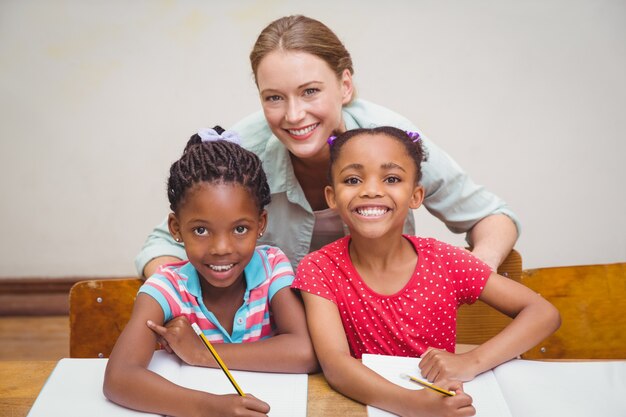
column 176, row 287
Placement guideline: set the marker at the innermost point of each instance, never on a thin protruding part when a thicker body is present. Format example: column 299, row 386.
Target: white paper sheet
column 572, row 389
column 74, row 388
column 484, row 389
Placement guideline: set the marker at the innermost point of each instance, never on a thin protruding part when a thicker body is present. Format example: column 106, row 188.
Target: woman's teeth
column 300, row 132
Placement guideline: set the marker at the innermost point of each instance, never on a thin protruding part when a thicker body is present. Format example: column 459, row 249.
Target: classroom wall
column 98, row 98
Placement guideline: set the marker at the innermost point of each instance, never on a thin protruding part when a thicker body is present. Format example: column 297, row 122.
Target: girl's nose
column 371, row 188
column 221, row 245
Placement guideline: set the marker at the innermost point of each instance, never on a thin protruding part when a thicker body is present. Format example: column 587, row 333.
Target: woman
column 304, row 76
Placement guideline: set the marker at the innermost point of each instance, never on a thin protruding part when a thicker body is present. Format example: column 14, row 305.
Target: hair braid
column 217, row 162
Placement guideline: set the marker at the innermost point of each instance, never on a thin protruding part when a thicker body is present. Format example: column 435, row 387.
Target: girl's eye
column 240, row 230
column 392, row 180
column 351, row 181
column 200, row 231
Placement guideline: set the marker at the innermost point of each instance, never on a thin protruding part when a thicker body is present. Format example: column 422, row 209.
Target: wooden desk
column 21, row 381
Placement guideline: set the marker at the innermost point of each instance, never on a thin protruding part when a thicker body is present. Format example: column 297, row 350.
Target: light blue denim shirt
column 450, row 194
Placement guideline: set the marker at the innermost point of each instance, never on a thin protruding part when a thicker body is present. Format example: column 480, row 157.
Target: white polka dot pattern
column 420, row 315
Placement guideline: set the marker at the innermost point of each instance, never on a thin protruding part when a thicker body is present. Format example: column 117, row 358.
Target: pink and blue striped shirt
column 176, row 287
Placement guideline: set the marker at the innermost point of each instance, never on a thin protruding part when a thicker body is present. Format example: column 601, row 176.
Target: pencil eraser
column 196, row 328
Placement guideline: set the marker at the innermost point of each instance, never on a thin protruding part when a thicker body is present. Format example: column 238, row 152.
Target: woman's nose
column 295, row 111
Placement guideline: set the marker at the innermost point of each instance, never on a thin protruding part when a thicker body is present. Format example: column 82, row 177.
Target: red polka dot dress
column 421, row 315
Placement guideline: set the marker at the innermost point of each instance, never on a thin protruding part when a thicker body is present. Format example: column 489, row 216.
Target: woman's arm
column 534, row 320
column 466, row 207
column 353, row 379
column 158, row 249
column 128, row 382
column 290, row 350
column 492, row 238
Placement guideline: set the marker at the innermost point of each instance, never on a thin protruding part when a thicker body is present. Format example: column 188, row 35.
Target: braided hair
column 217, row 161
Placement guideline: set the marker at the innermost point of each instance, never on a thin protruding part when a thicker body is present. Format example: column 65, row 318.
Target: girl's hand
column 233, row 405
column 427, row 403
column 177, row 336
column 437, row 365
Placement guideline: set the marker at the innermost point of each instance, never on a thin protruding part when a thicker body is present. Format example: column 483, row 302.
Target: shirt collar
column 254, row 273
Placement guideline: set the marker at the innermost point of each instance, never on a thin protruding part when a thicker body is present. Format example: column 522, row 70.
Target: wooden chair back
column 592, row 303
column 100, row 308
column 478, row 322
column 99, row 311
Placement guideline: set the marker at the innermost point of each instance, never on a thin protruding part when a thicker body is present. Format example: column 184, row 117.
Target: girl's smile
column 374, row 185
column 372, row 211
column 219, row 224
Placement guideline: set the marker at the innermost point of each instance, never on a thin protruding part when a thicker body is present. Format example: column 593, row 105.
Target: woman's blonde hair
column 303, row 34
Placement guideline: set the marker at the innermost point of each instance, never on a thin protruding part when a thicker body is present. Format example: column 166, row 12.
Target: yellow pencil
column 428, row 385
column 217, row 358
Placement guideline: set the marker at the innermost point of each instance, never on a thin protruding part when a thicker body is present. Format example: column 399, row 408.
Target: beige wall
column 98, row 98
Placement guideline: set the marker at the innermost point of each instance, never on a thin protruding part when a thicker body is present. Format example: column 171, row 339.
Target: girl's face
column 373, row 185
column 219, row 225
column 302, row 100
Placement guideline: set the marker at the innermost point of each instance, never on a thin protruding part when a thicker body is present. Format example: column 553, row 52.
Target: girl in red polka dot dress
column 379, row 291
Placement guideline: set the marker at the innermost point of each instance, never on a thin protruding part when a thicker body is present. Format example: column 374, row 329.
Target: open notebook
column 74, row 388
column 521, row 388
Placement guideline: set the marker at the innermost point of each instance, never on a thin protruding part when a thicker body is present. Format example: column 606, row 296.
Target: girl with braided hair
column 238, row 293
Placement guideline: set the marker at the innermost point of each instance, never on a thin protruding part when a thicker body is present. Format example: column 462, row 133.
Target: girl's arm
column 128, row 382
column 290, row 350
column 353, row 379
column 534, row 320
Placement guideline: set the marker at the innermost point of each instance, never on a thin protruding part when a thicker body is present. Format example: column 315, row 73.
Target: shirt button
column 240, row 320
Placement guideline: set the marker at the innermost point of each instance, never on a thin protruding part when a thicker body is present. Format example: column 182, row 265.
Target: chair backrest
column 99, row 311
column 478, row 322
column 592, row 303
column 100, row 308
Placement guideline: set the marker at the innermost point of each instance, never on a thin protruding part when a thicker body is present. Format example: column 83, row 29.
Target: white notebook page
column 74, row 388
column 572, row 389
column 484, row 389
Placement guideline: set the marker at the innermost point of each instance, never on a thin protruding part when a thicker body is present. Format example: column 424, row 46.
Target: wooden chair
column 99, row 311
column 592, row 303
column 478, row 322
column 100, row 308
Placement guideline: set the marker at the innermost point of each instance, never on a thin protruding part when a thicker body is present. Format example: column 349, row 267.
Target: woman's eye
column 200, row 231
column 272, row 98
column 240, row 230
column 310, row 91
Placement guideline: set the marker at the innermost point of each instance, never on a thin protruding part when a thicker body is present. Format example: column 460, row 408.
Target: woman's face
column 302, row 100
